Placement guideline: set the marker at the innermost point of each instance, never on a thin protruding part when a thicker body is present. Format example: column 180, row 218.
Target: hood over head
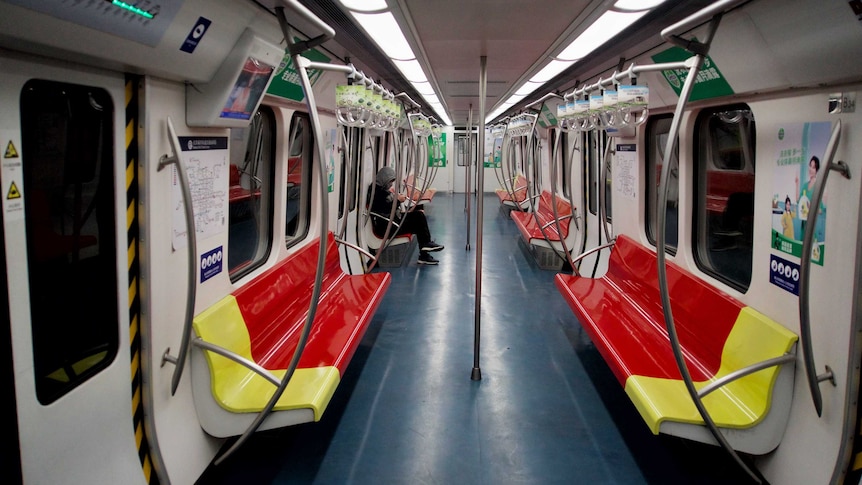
column 385, row 176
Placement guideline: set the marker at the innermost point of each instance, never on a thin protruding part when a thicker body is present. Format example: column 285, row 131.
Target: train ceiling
column 517, row 37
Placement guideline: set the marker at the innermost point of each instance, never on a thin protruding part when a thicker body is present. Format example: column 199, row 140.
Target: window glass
column 68, row 165
column 565, row 167
column 725, row 193
column 605, row 141
column 657, row 134
column 298, row 210
column 252, row 163
column 591, row 169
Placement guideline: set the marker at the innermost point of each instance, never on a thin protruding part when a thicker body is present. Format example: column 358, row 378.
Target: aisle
column 407, row 411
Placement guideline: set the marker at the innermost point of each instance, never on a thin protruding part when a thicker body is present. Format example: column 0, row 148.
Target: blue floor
column 547, row 409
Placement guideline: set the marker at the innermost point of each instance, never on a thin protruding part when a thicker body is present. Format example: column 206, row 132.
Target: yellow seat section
column 239, row 389
column 739, row 404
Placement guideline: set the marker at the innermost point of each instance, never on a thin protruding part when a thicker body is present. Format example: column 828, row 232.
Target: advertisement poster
column 331, row 142
column 799, row 150
column 437, row 151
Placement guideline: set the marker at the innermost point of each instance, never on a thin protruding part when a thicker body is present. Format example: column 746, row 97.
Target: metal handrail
column 748, row 370
column 567, row 255
column 476, row 371
column 295, row 49
column 814, row 379
column 593, row 250
column 603, row 189
column 467, row 172
column 354, row 246
column 191, row 239
column 700, row 50
column 253, row 366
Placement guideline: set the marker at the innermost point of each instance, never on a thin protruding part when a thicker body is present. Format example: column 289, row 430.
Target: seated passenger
column 413, row 222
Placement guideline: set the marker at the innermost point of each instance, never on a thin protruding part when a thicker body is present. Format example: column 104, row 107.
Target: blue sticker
column 196, row 34
column 784, row 274
column 211, row 263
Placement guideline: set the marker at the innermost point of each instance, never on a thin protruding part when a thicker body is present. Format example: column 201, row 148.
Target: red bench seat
column 622, row 313
column 517, row 198
column 531, row 224
column 262, row 322
column 416, row 194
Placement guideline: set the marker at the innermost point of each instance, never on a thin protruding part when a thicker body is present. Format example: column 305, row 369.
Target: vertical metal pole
column 468, row 167
column 480, row 190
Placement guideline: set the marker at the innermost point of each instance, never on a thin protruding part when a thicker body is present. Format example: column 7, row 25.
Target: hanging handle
column 814, row 379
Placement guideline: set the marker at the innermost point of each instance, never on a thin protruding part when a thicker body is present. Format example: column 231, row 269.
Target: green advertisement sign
column 799, row 149
column 437, row 151
column 494, row 158
column 709, row 83
column 546, row 117
column 286, row 83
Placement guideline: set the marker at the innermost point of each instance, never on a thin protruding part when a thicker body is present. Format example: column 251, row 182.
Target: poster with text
column 799, row 150
column 206, row 163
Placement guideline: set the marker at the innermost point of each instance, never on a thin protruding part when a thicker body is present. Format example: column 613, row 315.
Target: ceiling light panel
column 365, row 5
column 606, row 27
column 383, row 28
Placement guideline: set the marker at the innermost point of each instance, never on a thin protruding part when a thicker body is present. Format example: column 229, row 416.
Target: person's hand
column 402, row 197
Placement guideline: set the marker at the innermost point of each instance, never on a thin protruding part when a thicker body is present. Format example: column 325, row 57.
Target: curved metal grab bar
column 216, row 349
column 603, row 189
column 301, row 65
column 296, row 48
column 751, row 369
column 191, row 239
column 700, row 50
column 814, row 379
column 593, row 250
column 354, row 246
column 567, row 254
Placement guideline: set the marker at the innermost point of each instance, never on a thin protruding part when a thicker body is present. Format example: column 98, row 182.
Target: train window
column 68, row 165
column 604, row 141
column 252, row 167
column 657, row 132
column 535, row 161
column 565, row 165
column 298, row 210
column 591, row 169
column 347, row 195
column 559, row 162
column 724, row 216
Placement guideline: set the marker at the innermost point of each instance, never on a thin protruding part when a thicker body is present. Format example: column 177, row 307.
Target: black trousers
column 414, row 222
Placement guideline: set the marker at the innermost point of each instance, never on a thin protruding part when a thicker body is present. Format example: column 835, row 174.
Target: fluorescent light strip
column 386, row 33
column 636, row 4
column 603, row 29
column 411, row 70
column 365, row 5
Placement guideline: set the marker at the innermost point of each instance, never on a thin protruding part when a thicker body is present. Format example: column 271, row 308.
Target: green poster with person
column 437, row 150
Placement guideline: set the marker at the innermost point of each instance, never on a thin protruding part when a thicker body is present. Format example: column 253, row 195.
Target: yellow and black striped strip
column 134, row 274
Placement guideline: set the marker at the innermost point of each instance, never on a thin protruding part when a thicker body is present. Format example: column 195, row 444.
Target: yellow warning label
column 13, row 193
column 11, row 152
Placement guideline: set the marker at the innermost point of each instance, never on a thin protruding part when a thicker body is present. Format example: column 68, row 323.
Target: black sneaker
column 426, row 258
column 431, row 247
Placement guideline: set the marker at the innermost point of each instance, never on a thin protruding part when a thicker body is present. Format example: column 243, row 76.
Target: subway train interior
column 414, row 241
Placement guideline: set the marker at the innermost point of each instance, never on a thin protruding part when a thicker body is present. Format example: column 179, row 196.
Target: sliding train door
column 67, row 258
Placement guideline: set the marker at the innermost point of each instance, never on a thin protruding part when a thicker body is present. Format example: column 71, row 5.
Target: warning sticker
column 11, row 176
column 14, row 193
column 11, row 152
